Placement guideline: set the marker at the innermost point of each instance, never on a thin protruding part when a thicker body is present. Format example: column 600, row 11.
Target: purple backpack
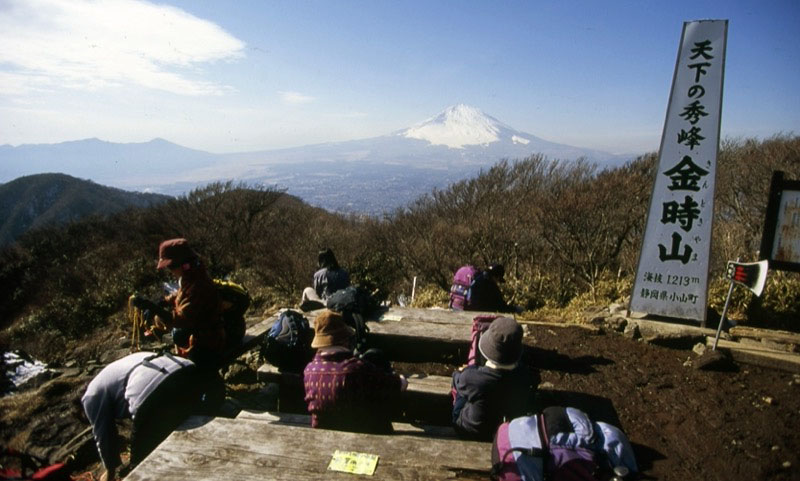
column 561, row 444
column 462, row 284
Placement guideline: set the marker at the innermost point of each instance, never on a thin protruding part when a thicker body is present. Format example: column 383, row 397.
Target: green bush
column 430, row 295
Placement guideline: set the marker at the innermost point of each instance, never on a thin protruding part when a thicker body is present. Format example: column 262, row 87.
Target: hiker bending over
column 156, row 391
column 502, row 389
column 193, row 311
column 346, row 392
column 485, row 293
column 328, row 279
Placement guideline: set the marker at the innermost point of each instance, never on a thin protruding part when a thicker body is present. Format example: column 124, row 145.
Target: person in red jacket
column 193, row 311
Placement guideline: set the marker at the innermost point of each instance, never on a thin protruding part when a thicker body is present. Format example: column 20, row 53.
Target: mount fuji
column 373, row 175
column 458, row 137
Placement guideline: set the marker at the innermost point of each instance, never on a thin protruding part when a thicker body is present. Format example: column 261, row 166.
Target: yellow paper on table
column 353, row 462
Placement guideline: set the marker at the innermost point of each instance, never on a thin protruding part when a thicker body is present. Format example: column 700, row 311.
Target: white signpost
column 672, row 276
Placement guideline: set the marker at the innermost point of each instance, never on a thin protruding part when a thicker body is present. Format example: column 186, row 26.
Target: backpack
column 479, row 325
column 354, row 303
column 287, row 345
column 560, row 444
column 30, row 467
column 474, row 357
column 235, row 302
column 461, row 290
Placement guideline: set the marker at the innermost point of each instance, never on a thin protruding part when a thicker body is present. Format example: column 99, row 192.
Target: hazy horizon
column 252, row 76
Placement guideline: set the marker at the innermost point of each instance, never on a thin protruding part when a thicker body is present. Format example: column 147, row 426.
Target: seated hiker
column 157, row 391
column 346, row 392
column 485, row 294
column 193, row 311
column 502, row 389
column 328, row 279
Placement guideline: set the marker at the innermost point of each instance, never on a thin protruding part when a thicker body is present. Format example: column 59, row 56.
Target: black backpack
column 354, row 303
column 287, row 345
column 235, row 302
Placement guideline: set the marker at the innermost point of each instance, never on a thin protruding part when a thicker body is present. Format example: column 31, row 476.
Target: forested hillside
column 568, row 234
column 40, row 200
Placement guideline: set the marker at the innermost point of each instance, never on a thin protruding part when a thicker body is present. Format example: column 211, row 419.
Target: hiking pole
column 413, row 289
column 133, row 315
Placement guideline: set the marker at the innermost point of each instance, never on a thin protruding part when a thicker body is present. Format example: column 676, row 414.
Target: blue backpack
column 558, row 445
column 287, row 345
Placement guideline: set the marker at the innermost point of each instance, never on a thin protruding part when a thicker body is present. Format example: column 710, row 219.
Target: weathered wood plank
column 422, row 330
column 430, row 315
column 429, row 384
column 254, row 450
column 269, row 373
column 304, row 420
column 758, row 355
column 783, row 337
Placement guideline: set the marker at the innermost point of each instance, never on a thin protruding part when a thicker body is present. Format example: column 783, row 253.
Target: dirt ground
column 684, row 423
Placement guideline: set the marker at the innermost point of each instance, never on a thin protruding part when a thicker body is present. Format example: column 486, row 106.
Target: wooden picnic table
column 250, row 449
column 304, row 420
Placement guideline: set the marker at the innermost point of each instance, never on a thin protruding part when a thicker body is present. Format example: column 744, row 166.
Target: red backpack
column 479, row 325
column 475, row 358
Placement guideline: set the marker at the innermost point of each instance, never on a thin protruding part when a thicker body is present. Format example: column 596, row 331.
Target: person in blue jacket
column 502, row 389
column 329, row 278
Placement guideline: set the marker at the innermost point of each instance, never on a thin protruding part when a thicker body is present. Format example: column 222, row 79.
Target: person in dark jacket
column 329, row 278
column 502, row 389
column 193, row 312
column 158, row 391
column 485, row 292
column 344, row 391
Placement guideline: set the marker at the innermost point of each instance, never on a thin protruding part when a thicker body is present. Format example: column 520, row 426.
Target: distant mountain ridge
column 104, row 162
column 371, row 175
column 50, row 199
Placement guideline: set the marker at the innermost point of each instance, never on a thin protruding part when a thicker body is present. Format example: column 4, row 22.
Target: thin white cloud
column 295, row 98
column 90, row 45
column 350, row 115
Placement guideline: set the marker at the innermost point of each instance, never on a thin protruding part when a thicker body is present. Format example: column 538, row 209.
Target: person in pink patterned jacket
column 344, row 391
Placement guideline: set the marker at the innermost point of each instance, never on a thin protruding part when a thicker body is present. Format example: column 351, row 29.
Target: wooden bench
column 250, row 449
column 427, row 398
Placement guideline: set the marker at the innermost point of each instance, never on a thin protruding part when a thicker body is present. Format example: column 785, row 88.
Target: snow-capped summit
column 459, row 126
column 377, row 173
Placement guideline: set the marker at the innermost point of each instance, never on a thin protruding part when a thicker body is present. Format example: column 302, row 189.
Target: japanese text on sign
column 672, row 276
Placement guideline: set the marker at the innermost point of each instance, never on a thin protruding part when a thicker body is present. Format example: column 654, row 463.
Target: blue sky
column 233, row 76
